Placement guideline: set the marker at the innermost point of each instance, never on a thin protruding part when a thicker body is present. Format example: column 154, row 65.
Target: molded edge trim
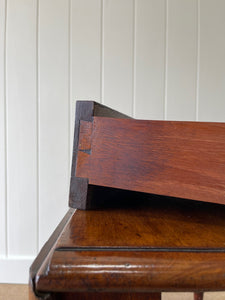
column 47, row 249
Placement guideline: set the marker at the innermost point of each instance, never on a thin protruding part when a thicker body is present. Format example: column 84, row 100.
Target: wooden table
column 133, row 249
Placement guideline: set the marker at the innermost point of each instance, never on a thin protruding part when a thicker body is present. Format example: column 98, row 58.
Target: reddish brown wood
column 133, row 271
column 148, row 222
column 33, row 296
column 96, row 296
column 198, row 296
column 179, row 159
column 152, row 246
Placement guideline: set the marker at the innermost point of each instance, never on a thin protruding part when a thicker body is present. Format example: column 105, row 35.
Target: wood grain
column 146, row 245
column 148, row 222
column 179, row 159
column 133, row 271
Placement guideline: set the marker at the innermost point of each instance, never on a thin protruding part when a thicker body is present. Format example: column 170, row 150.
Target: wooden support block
column 80, row 190
column 108, row 296
column 198, row 296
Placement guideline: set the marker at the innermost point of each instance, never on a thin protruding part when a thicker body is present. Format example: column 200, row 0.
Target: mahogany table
column 133, row 247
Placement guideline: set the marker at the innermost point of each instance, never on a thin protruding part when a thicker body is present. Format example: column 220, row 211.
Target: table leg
column 198, row 296
column 32, row 295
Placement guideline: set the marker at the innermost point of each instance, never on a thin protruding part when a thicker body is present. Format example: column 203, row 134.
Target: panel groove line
column 70, row 128
column 212, row 61
column 6, row 132
column 5, row 137
column 197, row 60
column 3, row 130
column 166, row 63
column 150, row 45
column 86, row 42
column 134, row 58
column 21, row 127
column 38, row 120
column 118, row 54
column 102, row 54
column 53, row 114
column 182, row 56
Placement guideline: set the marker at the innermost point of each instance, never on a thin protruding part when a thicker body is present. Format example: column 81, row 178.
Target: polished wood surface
column 150, row 246
column 198, row 296
column 133, row 271
column 148, row 222
column 179, row 159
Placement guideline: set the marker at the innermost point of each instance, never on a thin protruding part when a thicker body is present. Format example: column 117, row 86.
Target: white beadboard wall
column 152, row 59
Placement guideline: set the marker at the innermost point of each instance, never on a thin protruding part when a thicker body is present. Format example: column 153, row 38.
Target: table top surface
column 155, row 223
column 154, row 244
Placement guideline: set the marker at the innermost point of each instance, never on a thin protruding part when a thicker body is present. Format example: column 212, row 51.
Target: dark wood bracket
column 80, row 190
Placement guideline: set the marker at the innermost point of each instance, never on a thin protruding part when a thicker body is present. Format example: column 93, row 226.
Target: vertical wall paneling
column 53, row 114
column 118, row 54
column 182, row 58
column 85, row 49
column 21, row 127
column 85, row 52
column 150, row 60
column 14, row 270
column 2, row 132
column 212, row 61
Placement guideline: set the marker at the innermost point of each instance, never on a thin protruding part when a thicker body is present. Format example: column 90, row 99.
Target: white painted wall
column 152, row 59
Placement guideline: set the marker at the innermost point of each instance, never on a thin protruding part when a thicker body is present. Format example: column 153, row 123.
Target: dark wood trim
column 80, row 192
column 133, row 272
column 145, row 246
column 198, row 296
column 108, row 296
column 45, row 252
